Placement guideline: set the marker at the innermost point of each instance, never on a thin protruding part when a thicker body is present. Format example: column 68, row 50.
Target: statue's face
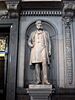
column 39, row 26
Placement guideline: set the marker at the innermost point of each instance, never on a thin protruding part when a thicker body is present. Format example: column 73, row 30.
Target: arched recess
column 53, row 68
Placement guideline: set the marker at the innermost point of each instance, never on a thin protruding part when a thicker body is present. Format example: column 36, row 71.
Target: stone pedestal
column 40, row 92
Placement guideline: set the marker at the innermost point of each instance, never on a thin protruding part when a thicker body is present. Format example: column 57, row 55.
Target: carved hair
column 38, row 22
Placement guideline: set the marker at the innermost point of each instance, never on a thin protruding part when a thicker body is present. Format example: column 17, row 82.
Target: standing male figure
column 40, row 44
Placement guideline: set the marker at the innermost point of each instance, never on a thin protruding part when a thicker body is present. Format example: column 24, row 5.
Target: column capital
column 12, row 5
column 68, row 8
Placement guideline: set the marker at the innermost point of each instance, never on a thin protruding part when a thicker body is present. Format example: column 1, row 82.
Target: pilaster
column 68, row 13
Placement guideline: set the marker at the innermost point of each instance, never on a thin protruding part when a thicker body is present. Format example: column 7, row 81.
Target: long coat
column 40, row 47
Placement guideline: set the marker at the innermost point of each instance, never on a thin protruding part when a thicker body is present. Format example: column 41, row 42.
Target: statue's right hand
column 32, row 45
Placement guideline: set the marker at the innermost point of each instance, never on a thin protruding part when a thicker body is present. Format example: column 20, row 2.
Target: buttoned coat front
column 40, row 44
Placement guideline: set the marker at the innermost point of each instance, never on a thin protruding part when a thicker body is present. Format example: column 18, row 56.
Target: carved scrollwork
column 11, row 10
column 69, row 8
column 3, row 14
column 12, row 4
column 69, row 5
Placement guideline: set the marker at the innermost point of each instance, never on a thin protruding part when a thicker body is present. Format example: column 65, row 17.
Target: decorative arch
column 51, row 28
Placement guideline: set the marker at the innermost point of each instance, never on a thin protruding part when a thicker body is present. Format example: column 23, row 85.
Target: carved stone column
column 13, row 12
column 68, row 12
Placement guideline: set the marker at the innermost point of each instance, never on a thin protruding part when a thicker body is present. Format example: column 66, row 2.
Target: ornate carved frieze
column 41, row 13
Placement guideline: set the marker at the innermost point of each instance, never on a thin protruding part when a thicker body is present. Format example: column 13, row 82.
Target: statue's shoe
column 38, row 82
column 46, row 82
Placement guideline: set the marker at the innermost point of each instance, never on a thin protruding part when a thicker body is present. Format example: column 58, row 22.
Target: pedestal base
column 40, row 92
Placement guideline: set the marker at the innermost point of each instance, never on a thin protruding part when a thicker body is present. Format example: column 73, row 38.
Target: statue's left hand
column 49, row 54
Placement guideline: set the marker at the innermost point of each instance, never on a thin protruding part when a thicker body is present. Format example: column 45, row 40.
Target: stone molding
column 40, row 13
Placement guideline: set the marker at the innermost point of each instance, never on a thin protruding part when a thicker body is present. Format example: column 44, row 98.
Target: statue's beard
column 41, row 28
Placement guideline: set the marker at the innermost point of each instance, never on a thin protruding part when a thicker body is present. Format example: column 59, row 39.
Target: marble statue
column 40, row 44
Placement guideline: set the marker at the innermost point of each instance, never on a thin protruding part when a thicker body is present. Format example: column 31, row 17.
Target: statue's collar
column 39, row 31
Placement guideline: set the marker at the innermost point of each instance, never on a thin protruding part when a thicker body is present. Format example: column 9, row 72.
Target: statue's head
column 39, row 24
